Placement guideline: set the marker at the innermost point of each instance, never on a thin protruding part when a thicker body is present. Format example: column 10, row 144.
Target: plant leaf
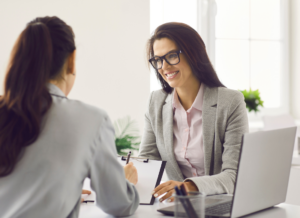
column 252, row 99
column 126, row 135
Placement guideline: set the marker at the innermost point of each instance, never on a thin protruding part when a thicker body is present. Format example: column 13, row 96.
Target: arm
column 148, row 147
column 115, row 195
column 237, row 125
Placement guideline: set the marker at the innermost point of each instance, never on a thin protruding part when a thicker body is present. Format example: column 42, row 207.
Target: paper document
column 149, row 176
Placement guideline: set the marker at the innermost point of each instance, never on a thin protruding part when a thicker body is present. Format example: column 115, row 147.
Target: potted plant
column 126, row 135
column 252, row 99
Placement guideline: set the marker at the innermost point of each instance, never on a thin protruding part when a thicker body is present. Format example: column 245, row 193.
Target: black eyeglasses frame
column 163, row 58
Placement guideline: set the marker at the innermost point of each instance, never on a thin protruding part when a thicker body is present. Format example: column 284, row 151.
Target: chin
column 172, row 85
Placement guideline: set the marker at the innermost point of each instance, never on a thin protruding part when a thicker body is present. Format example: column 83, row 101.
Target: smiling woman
column 194, row 123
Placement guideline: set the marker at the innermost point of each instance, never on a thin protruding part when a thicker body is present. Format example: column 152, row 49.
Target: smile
column 171, row 74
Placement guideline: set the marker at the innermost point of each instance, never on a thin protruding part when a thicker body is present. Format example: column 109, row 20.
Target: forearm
column 222, row 183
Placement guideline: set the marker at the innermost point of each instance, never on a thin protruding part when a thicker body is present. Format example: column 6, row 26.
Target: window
column 251, row 50
column 246, row 40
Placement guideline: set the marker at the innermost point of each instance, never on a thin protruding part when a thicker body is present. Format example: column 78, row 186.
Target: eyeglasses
column 171, row 58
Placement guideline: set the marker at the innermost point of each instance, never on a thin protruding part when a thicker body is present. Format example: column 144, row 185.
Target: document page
column 149, row 175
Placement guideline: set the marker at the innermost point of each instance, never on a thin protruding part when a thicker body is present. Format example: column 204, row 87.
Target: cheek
column 185, row 67
column 161, row 73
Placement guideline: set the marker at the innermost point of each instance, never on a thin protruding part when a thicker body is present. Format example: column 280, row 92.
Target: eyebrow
column 166, row 53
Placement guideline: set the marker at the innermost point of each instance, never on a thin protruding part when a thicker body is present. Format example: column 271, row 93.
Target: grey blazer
column 224, row 120
column 76, row 141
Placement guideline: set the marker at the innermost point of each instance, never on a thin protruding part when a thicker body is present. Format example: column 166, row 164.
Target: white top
column 76, row 141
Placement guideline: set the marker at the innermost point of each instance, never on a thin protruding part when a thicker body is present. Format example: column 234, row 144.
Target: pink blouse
column 188, row 138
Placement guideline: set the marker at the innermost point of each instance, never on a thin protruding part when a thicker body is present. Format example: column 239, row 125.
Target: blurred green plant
column 126, row 135
column 253, row 100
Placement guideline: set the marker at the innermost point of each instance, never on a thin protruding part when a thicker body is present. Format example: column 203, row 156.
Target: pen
column 88, row 201
column 183, row 202
column 128, row 157
column 188, row 207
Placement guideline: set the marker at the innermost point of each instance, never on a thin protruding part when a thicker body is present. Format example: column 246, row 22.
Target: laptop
column 262, row 175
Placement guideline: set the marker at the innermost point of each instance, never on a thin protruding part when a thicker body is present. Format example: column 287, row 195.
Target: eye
column 172, row 56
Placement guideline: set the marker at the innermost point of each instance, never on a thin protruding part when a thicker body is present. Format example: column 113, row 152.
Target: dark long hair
column 37, row 57
column 192, row 46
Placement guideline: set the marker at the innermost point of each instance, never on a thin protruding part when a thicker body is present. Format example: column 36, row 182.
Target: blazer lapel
column 167, row 114
column 208, row 120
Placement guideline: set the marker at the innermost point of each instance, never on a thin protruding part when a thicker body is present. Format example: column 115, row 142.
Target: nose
column 165, row 65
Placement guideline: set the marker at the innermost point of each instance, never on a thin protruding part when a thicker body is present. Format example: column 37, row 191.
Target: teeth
column 171, row 74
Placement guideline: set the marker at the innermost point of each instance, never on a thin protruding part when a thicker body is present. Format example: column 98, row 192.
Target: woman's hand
column 131, row 173
column 85, row 192
column 168, row 188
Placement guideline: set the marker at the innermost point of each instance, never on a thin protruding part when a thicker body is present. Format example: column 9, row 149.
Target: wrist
column 191, row 186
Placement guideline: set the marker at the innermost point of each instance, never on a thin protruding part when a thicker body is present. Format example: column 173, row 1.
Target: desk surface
column 147, row 211
column 296, row 157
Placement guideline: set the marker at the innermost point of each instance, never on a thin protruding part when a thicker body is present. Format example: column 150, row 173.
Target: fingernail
column 161, row 200
column 156, row 195
column 152, row 192
column 169, row 200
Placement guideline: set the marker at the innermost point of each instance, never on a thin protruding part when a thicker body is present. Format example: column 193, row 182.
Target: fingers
column 164, row 190
column 86, row 192
column 165, row 187
column 161, row 186
column 171, row 199
column 168, row 195
column 129, row 164
column 131, row 173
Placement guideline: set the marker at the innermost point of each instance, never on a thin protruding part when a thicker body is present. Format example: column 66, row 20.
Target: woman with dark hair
column 48, row 143
column 194, row 123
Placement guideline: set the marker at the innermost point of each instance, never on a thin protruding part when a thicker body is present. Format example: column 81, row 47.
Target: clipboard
column 150, row 173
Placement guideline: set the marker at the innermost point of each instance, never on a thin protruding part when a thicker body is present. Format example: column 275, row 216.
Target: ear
column 71, row 63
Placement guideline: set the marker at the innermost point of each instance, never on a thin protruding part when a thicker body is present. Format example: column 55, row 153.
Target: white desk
column 147, row 211
column 296, row 158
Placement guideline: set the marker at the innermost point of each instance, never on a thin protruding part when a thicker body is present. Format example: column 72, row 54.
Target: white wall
column 111, row 36
column 295, row 57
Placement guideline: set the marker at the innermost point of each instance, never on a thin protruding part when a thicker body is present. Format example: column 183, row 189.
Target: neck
column 61, row 85
column 188, row 94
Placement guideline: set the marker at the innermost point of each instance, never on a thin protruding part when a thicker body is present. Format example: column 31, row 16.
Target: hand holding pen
column 130, row 171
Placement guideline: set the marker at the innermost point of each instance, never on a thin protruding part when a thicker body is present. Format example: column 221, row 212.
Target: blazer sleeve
column 115, row 195
column 148, row 147
column 237, row 125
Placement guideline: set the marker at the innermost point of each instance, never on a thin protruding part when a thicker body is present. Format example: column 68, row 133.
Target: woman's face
column 179, row 75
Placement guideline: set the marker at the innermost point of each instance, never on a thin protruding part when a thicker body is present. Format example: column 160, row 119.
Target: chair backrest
column 278, row 122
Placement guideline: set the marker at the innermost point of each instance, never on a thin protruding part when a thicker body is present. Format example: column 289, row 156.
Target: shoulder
column 222, row 96
column 78, row 109
column 228, row 94
column 158, row 98
column 230, row 99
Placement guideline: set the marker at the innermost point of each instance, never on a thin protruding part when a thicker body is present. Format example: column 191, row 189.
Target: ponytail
column 26, row 98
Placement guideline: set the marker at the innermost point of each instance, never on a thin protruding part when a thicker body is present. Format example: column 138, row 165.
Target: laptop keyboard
column 219, row 209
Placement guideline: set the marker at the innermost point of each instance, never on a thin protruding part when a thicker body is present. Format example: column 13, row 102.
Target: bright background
column 251, row 43
column 112, row 71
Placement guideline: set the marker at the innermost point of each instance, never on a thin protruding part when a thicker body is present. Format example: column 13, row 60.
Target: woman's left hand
column 168, row 188
column 85, row 192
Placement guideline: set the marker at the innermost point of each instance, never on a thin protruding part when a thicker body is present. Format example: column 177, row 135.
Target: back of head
column 37, row 57
column 191, row 44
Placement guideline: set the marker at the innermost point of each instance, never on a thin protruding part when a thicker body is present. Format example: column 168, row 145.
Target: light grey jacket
column 224, row 120
column 76, row 141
